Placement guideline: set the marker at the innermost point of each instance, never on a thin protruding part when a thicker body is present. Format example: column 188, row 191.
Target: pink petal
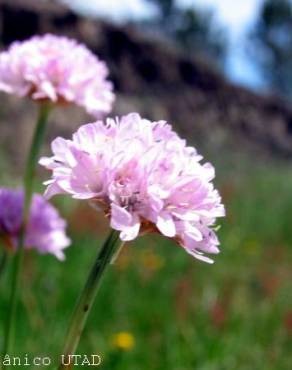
column 166, row 225
column 120, row 218
column 130, row 233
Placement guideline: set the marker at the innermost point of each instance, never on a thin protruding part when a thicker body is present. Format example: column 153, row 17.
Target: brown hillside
column 153, row 78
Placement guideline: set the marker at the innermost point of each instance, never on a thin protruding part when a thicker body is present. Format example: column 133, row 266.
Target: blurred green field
column 182, row 314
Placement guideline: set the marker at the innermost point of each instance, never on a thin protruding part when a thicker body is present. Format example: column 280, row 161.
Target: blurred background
column 221, row 72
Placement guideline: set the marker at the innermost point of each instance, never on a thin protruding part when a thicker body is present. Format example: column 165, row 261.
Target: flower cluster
column 45, row 229
column 144, row 177
column 57, row 69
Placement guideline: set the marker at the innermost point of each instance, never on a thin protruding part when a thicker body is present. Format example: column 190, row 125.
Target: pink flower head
column 45, row 229
column 58, row 69
column 144, row 177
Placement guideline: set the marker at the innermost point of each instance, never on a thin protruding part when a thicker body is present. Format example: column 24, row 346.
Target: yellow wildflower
column 124, row 341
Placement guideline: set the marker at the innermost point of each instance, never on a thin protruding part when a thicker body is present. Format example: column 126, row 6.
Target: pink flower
column 144, row 177
column 45, row 229
column 58, row 69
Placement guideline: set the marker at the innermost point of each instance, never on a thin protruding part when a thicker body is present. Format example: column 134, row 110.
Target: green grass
column 183, row 314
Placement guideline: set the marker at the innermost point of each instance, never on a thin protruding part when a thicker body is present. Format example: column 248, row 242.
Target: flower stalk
column 28, row 182
column 3, row 261
column 87, row 297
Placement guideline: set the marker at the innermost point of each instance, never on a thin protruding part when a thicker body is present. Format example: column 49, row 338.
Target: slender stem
column 87, row 297
column 28, row 182
column 38, row 138
column 3, row 261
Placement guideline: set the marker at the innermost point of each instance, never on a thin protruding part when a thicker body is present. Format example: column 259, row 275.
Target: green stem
column 28, row 182
column 87, row 297
column 3, row 261
column 38, row 138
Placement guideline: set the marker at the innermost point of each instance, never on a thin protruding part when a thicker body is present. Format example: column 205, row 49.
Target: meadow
column 159, row 308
